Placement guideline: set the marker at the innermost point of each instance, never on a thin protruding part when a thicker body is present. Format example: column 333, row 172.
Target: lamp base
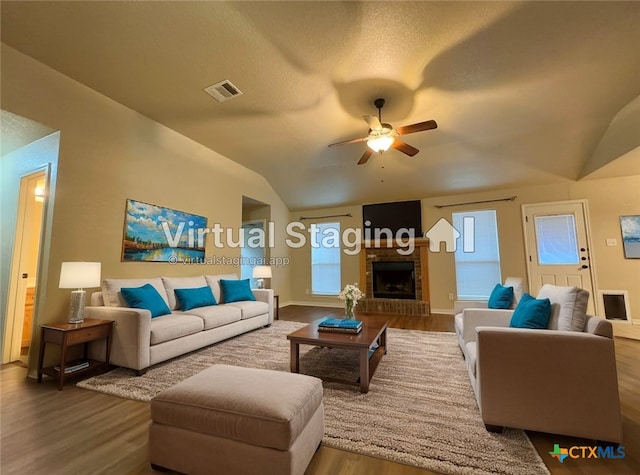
column 260, row 283
column 76, row 307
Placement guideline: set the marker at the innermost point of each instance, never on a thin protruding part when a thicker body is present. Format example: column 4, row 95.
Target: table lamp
column 79, row 275
column 260, row 273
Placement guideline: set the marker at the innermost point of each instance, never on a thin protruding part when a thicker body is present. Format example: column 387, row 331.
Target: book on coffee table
column 340, row 325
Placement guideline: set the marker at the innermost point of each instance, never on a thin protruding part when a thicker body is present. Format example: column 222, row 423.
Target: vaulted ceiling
column 523, row 93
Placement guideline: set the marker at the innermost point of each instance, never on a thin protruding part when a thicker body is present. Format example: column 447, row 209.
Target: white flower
column 351, row 292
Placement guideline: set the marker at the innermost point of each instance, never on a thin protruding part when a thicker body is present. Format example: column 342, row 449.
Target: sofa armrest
column 554, row 381
column 131, row 338
column 486, row 317
column 265, row 295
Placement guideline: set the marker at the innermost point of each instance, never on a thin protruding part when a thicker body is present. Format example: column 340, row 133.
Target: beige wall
column 301, row 257
column 607, row 199
column 109, row 153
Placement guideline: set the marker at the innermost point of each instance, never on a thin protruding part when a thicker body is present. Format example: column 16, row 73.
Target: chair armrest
column 460, row 305
column 265, row 295
column 554, row 381
column 131, row 339
column 486, row 317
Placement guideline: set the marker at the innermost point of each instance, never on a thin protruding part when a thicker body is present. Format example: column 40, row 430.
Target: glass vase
column 350, row 309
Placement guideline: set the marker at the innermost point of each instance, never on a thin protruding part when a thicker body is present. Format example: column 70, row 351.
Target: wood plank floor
column 76, row 431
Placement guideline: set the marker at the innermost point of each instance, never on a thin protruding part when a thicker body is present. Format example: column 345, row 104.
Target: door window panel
column 556, row 240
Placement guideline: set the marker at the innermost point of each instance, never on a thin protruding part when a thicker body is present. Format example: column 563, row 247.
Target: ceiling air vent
column 223, row 91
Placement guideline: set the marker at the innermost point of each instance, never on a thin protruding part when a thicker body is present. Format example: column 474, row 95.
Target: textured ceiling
column 523, row 93
column 19, row 131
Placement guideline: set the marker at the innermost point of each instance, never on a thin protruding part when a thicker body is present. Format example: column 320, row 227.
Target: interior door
column 557, row 246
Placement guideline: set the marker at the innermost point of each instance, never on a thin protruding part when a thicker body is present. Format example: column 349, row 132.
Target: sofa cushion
column 111, row 290
column 173, row 283
column 250, row 309
column 145, row 297
column 236, row 290
column 174, row 326
column 501, row 297
column 194, row 298
column 214, row 283
column 568, row 307
column 531, row 313
column 471, row 354
column 217, row 315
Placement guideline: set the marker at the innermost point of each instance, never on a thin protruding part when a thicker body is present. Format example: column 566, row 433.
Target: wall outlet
column 451, row 296
column 612, row 242
column 307, row 291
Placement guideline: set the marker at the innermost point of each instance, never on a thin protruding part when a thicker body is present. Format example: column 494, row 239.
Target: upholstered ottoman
column 234, row 420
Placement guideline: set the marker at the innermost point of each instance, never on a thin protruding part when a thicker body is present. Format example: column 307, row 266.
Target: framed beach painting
column 630, row 226
column 156, row 234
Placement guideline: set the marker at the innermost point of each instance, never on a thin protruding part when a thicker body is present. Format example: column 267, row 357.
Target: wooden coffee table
column 374, row 330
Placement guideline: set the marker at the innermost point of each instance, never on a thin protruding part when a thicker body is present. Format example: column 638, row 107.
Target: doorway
column 24, row 267
column 558, row 243
column 255, row 218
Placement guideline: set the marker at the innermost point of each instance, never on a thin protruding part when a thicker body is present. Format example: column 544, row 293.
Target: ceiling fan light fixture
column 380, row 143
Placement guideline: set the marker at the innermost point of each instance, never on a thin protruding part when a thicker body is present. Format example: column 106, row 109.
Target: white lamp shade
column 262, row 272
column 78, row 275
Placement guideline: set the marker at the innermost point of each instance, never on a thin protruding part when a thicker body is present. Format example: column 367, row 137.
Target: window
column 556, row 240
column 325, row 259
column 477, row 255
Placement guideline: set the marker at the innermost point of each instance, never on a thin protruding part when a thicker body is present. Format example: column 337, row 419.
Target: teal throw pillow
column 501, row 297
column 236, row 290
column 194, row 298
column 146, row 297
column 531, row 313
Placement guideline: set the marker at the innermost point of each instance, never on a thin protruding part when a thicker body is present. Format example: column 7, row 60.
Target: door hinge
column 530, row 260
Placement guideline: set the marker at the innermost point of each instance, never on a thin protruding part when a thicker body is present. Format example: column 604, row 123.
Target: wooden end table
column 374, row 331
column 70, row 334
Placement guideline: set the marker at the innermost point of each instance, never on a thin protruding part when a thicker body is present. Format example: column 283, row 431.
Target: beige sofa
column 140, row 341
column 560, row 380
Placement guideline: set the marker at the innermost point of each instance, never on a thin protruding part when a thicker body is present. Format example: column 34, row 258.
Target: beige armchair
column 550, row 380
column 460, row 305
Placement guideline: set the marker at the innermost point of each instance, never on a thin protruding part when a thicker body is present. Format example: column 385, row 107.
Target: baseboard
column 626, row 329
column 445, row 311
column 312, row 304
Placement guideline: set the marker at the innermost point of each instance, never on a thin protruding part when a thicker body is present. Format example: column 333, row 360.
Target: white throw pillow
column 518, row 289
column 568, row 307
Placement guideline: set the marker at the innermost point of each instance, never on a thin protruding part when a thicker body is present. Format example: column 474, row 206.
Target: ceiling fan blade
column 365, row 156
column 404, row 148
column 419, row 127
column 373, row 121
column 362, row 139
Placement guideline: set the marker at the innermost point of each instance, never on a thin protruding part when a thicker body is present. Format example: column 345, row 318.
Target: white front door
column 557, row 246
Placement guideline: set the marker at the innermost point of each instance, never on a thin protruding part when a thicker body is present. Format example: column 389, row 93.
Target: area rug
column 420, row 409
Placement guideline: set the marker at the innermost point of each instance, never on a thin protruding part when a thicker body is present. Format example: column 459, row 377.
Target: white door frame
column 587, row 223
column 12, row 338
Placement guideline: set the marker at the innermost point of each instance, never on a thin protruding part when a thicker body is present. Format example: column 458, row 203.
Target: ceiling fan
column 382, row 136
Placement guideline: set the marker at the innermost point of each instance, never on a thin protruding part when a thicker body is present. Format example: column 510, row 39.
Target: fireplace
column 394, row 280
column 408, row 271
